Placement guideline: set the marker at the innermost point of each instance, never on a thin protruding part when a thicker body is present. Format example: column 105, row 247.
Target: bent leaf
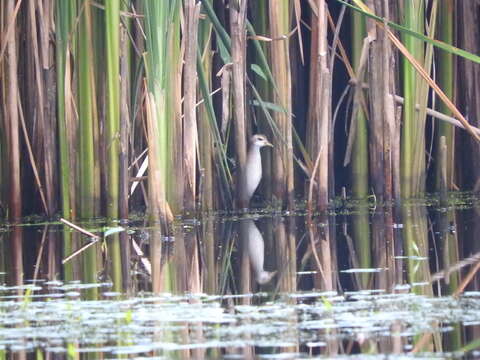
column 441, row 45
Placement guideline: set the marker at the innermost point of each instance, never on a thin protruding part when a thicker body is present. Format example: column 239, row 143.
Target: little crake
column 253, row 169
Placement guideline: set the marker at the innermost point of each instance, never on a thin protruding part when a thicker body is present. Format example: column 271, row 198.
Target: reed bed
column 110, row 107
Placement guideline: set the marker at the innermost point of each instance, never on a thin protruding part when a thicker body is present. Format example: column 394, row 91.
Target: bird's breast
column 253, row 172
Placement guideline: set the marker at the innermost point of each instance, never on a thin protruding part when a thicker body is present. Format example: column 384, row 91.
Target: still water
column 363, row 282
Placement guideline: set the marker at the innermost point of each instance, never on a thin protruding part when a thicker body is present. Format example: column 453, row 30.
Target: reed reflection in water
column 280, row 263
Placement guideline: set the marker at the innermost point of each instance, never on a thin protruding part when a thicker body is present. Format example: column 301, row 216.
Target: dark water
column 364, row 281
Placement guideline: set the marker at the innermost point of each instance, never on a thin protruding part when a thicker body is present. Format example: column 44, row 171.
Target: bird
column 256, row 252
column 253, row 167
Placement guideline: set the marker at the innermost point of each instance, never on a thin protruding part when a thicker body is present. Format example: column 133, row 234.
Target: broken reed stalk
column 79, row 251
column 440, row 116
column 473, row 260
column 144, row 260
column 31, row 157
column 9, row 28
column 442, row 164
column 78, row 228
column 40, row 253
column 418, row 67
column 95, row 238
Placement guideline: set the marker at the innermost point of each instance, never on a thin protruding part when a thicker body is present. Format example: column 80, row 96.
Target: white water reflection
column 256, row 252
column 132, row 325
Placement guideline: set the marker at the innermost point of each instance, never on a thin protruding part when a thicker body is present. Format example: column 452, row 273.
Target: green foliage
column 405, row 30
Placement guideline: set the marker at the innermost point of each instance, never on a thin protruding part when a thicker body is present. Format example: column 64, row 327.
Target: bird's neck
column 253, row 152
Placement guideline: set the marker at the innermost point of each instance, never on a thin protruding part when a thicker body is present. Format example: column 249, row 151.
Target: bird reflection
column 254, row 243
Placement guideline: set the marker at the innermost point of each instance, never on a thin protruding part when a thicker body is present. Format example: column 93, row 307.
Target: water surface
column 363, row 281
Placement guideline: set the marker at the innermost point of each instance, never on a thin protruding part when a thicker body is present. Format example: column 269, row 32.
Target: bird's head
column 260, row 140
column 265, row 276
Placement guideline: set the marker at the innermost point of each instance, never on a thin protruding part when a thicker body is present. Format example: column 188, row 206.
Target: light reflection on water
column 167, row 322
column 255, row 285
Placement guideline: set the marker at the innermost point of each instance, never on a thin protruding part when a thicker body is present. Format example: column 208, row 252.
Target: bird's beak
column 268, row 143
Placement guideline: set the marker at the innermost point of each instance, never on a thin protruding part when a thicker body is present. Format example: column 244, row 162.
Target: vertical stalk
column 162, row 22
column 360, row 163
column 413, row 19
column 359, row 169
column 65, row 15
column 175, row 184
column 205, row 135
column 445, row 151
column 51, row 144
column 112, row 136
column 206, row 169
column 112, row 12
column 192, row 12
column 12, row 122
column 280, row 61
column 319, row 108
column 39, row 73
column 86, row 130
column 318, row 138
column 125, row 131
column 469, row 87
column 446, row 82
column 157, row 65
column 260, row 23
column 238, row 36
column 85, row 110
